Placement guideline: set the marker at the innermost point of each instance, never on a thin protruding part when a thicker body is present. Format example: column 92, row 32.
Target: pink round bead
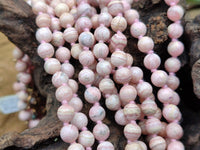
column 133, row 146
column 26, row 59
column 69, row 133
column 157, row 143
column 79, row 120
column 59, row 78
column 86, row 76
column 173, row 82
column 65, row 113
column 52, row 65
column 105, row 146
column 60, row 9
column 45, row 50
column 22, row 95
column 118, row 58
column 176, row 99
column 143, row 126
column 113, row 102
column 86, row 39
column 24, row 115
column 162, row 132
column 55, row 24
column 129, row 60
column 86, row 138
column 132, row 132
column 105, row 19
column 174, row 131
column 83, row 23
column 70, row 35
column 76, row 103
column 149, row 107
column 120, row 117
column 118, row 23
column 158, row 114
column 92, row 95
column 171, row 2
column 175, row 30
column 145, row 44
column 127, row 93
column 106, row 86
column 97, row 113
column 171, row 112
column 19, row 86
column 66, row 19
column 76, row 146
column 68, row 69
column 101, row 132
column 64, row 92
column 86, row 58
column 175, row 13
column 132, row 112
column 76, row 49
column 123, row 75
column 137, row 74
column 63, row 54
column 38, row 7
column 165, row 95
column 159, row 78
column 20, row 66
column 94, row 20
column 115, row 7
column 172, row 64
column 102, row 33
column 175, row 145
column 33, row 123
column 131, row 15
column 175, row 48
column 118, row 41
column 100, row 50
column 73, row 85
column 138, row 29
column 153, row 126
column 104, row 68
column 43, row 20
column 17, row 53
column 43, row 34
column 144, row 89
column 24, row 77
column 84, row 10
column 57, row 39
column 21, row 105
column 152, row 61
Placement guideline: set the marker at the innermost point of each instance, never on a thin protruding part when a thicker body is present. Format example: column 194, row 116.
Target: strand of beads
column 175, row 48
column 152, row 62
column 104, row 69
column 20, row 87
column 64, row 91
column 123, row 74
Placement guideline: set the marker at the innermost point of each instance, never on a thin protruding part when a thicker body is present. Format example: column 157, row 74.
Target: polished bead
column 24, row 77
column 115, row 7
column 86, row 138
column 127, row 93
column 171, row 112
column 165, row 95
column 60, row 9
column 64, row 92
column 86, row 58
column 149, row 107
column 102, row 34
column 43, row 20
column 57, row 39
column 69, row 133
column 175, row 30
column 20, row 66
column 17, row 53
column 169, row 2
column 172, row 64
column 133, row 146
column 65, row 113
column 118, row 41
column 76, row 50
column 33, row 123
column 120, row 117
column 143, row 126
column 52, row 65
column 55, row 24
column 86, row 76
column 113, row 102
column 70, row 35
column 84, row 10
column 92, row 94
column 175, row 145
column 144, row 89
column 68, row 69
column 100, row 50
column 174, row 131
column 83, row 23
column 118, row 58
column 175, row 13
column 106, row 86
column 159, row 78
column 44, row 35
column 97, row 113
column 118, row 23
column 73, row 85
column 94, row 20
column 145, row 44
column 80, row 120
column 157, row 143
column 76, row 146
column 122, row 75
column 21, row 105
column 132, row 112
column 104, row 68
column 76, row 103
column 152, row 61
column 59, row 78
column 137, row 74
column 45, row 50
column 101, row 132
column 131, row 15
column 132, row 132
column 63, row 54
column 175, row 48
column 173, row 82
column 66, row 19
column 38, row 7
column 86, row 39
column 24, row 115
column 105, row 146
column 105, row 19
column 153, row 126
column 138, row 29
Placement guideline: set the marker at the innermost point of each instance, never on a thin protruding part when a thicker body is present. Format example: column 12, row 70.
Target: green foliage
column 193, row 2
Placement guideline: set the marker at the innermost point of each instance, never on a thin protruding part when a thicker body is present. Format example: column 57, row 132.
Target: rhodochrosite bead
column 86, row 138
column 76, row 146
column 132, row 132
column 52, row 66
column 105, row 146
column 157, row 143
column 65, row 113
column 72, row 133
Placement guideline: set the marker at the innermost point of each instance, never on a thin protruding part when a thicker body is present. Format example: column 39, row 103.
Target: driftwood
column 17, row 22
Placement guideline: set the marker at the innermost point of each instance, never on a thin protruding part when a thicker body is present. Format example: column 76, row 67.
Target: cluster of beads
column 23, row 66
column 78, row 19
